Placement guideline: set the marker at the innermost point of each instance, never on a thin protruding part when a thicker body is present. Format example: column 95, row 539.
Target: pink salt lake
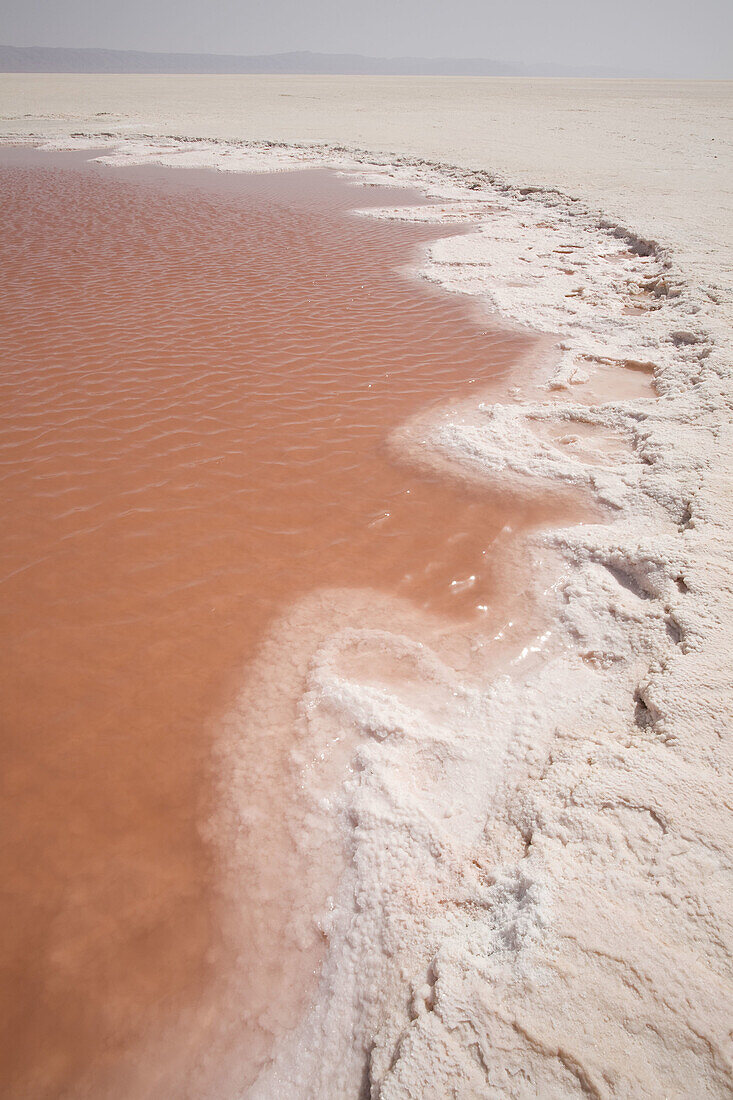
column 199, row 377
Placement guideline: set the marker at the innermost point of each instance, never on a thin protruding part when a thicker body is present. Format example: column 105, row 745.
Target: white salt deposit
column 537, row 883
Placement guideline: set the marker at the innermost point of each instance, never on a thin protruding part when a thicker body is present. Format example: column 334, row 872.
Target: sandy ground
column 538, row 897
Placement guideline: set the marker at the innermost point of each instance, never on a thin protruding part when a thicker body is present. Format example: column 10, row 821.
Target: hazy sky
column 681, row 37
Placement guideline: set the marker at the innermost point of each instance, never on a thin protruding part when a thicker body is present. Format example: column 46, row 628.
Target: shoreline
column 612, row 791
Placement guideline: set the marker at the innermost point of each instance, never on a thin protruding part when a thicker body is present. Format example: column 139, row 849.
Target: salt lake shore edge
column 568, row 932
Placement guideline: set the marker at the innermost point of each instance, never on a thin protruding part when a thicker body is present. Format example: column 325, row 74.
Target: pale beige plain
column 655, row 152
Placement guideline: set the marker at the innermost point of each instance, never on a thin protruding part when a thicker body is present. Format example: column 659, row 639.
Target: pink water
column 198, row 381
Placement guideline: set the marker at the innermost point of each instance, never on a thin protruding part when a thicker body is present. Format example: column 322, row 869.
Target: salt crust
column 536, row 895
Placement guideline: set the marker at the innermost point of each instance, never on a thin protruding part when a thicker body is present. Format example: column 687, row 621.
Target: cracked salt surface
column 570, row 933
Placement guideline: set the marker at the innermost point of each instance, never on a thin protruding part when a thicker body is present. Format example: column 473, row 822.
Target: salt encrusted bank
column 566, row 928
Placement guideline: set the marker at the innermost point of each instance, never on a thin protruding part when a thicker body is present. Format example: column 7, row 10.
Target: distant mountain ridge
column 50, row 59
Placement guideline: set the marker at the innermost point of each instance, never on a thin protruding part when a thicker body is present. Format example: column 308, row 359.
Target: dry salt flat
column 545, row 910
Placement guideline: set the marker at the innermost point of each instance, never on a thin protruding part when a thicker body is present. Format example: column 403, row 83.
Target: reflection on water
column 197, row 387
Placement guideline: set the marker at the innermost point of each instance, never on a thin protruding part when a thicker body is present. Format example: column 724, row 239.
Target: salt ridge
column 569, row 932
